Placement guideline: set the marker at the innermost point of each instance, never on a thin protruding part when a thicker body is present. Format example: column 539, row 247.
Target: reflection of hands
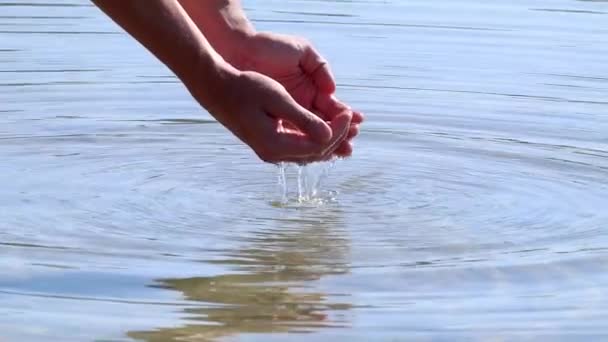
column 260, row 112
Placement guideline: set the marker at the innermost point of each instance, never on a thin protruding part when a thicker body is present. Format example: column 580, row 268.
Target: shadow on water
column 272, row 287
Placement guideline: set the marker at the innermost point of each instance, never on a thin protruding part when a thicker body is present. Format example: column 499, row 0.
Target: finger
column 353, row 131
column 328, row 106
column 274, row 143
column 358, row 117
column 317, row 68
column 292, row 147
column 287, row 108
column 340, row 127
column 344, row 150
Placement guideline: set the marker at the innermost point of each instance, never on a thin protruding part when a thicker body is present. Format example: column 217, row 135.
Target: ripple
column 473, row 207
column 488, row 206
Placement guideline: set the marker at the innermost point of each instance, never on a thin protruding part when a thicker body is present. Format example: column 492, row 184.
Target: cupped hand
column 262, row 114
column 293, row 62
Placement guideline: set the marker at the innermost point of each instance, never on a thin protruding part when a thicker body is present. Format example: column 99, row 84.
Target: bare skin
column 292, row 61
column 277, row 100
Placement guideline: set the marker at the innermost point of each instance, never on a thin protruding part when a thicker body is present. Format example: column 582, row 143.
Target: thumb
column 307, row 122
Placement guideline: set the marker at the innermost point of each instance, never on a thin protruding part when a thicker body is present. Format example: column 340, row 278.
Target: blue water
column 473, row 208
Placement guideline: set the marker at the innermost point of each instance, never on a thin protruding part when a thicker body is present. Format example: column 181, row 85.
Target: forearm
column 225, row 25
column 166, row 30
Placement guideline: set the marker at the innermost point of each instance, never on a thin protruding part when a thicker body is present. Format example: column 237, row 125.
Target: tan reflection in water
column 270, row 289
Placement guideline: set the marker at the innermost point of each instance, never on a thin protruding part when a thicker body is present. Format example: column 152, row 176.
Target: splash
column 308, row 184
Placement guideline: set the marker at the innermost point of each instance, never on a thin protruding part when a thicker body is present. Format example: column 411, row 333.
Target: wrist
column 208, row 81
column 237, row 46
column 225, row 25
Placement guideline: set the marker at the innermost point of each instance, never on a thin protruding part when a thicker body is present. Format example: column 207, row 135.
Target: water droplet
column 308, row 188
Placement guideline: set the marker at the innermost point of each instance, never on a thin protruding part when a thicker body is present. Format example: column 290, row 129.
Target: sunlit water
column 474, row 207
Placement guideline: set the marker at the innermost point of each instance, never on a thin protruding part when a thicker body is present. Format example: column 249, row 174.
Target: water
column 474, row 207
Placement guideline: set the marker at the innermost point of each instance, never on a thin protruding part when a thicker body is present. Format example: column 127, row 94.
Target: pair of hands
column 278, row 99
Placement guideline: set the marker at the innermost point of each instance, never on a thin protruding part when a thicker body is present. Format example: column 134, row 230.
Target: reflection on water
column 269, row 287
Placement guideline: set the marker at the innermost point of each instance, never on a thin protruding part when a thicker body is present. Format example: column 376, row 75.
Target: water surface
column 474, row 207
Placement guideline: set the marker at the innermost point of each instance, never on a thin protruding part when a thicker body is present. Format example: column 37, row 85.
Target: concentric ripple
column 473, row 207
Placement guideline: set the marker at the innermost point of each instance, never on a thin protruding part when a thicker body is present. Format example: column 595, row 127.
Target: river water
column 473, row 208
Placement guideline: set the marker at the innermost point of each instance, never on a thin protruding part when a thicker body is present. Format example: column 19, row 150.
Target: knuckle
column 305, row 42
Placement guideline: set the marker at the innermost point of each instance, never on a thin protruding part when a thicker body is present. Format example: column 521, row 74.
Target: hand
column 254, row 107
column 295, row 64
column 291, row 61
column 262, row 114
